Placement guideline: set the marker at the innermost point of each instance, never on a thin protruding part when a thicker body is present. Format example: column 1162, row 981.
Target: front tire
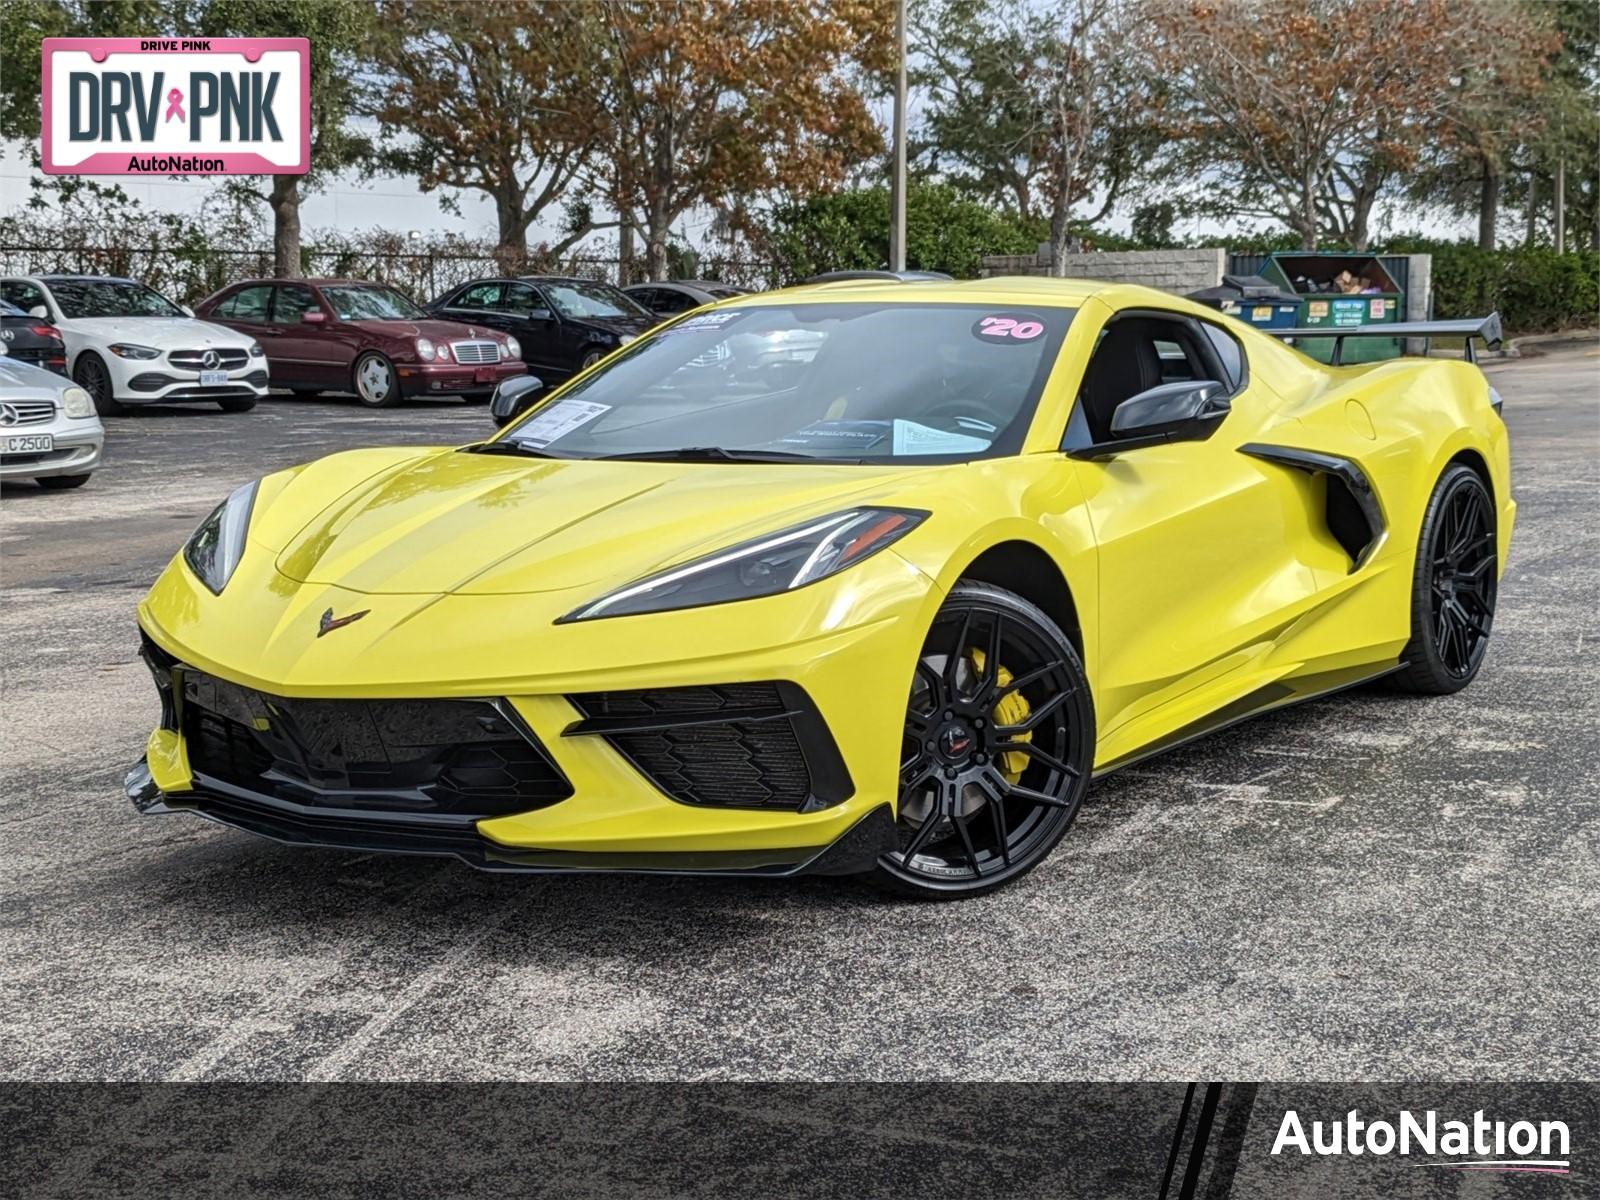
column 1453, row 587
column 376, row 384
column 91, row 375
column 998, row 747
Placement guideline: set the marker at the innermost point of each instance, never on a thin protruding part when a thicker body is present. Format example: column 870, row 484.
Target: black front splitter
column 853, row 852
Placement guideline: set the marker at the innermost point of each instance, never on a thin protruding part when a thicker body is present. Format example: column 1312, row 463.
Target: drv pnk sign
column 177, row 106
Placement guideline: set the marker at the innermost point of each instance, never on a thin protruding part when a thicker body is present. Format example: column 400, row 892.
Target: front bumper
column 852, row 852
column 76, row 452
column 162, row 383
column 626, row 808
column 452, row 379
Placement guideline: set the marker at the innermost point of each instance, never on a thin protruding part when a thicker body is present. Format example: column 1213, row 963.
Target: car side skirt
column 1280, row 693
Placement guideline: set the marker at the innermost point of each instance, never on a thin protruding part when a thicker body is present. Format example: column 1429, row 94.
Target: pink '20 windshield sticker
column 1008, row 327
column 176, row 106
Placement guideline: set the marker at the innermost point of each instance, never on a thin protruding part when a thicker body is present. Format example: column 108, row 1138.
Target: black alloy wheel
column 91, row 375
column 998, row 747
column 1453, row 588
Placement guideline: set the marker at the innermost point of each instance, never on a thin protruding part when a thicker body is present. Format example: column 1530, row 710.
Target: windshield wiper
column 718, row 454
column 520, row 449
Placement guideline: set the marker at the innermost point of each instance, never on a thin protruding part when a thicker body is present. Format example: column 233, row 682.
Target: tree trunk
column 1531, row 208
column 511, row 245
column 285, row 202
column 625, row 252
column 1488, row 203
column 1308, row 211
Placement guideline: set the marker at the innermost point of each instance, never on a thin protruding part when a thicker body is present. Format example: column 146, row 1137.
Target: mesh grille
column 745, row 756
column 464, row 758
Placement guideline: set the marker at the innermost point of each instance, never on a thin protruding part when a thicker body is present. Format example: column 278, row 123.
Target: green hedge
column 1534, row 289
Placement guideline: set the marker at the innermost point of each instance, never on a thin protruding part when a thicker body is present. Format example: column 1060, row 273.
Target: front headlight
column 424, row 349
column 125, row 350
column 513, row 348
column 214, row 549
column 256, row 351
column 76, row 402
column 763, row 566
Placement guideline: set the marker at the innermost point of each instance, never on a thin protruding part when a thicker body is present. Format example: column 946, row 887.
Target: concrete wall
column 1178, row 271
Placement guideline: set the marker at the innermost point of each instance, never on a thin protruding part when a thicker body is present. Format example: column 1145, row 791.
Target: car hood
column 161, row 333
column 437, row 331
column 474, row 524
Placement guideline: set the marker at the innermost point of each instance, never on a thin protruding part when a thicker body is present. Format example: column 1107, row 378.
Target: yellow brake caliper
column 1013, row 709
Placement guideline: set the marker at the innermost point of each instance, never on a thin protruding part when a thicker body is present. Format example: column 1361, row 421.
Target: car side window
column 1229, row 352
column 247, row 304
column 1134, row 354
column 291, row 303
column 519, row 300
column 667, row 302
column 23, row 294
column 483, row 296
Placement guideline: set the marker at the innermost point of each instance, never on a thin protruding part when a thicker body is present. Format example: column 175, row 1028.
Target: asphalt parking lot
column 1367, row 887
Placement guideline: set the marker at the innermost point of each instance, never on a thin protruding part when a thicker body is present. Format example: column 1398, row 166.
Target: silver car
column 48, row 427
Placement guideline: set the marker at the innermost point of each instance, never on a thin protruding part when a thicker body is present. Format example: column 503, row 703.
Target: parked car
column 48, row 427
column 680, row 295
column 27, row 338
column 128, row 345
column 348, row 335
column 564, row 324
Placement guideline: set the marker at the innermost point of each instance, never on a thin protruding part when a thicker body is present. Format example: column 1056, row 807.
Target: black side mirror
column 514, row 397
column 1172, row 412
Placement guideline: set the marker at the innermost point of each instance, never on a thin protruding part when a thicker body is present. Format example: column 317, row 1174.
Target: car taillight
column 49, row 331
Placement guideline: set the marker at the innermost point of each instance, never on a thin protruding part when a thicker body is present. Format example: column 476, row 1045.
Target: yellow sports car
column 868, row 576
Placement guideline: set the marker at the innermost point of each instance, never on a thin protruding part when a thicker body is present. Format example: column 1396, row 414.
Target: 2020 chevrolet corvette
column 862, row 577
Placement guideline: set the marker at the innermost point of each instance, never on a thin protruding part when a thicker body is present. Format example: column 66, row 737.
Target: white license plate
column 30, row 443
column 213, row 378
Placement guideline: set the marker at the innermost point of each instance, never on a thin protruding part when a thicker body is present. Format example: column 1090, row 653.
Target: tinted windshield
column 581, row 301
column 109, row 298
column 371, row 304
column 869, row 382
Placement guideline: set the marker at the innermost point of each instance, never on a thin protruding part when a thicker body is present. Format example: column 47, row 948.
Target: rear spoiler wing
column 1487, row 328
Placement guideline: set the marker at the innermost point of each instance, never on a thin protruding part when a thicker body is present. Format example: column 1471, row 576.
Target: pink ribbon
column 175, row 105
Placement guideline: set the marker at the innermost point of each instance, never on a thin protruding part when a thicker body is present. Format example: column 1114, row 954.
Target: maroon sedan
column 343, row 335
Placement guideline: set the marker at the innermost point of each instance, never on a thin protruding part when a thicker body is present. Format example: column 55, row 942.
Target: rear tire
column 237, row 404
column 60, row 483
column 91, row 375
column 1453, row 587
column 998, row 747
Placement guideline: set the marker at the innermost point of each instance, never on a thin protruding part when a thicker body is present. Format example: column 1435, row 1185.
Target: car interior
column 1142, row 351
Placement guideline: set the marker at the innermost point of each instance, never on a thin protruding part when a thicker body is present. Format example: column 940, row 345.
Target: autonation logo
column 1476, row 1145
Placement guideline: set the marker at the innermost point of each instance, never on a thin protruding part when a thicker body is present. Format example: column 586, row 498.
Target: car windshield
column 109, row 298
column 863, row 382
column 371, row 304
column 584, row 301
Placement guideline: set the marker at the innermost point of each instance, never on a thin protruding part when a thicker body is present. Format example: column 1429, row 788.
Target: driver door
column 1204, row 556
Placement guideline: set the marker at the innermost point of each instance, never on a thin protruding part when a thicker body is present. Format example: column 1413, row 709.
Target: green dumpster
column 1340, row 289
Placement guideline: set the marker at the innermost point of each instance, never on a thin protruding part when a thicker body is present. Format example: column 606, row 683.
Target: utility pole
column 897, row 185
column 1561, row 204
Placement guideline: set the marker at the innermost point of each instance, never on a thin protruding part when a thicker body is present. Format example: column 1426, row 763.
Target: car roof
column 554, row 279
column 317, row 281
column 1000, row 289
column 76, row 277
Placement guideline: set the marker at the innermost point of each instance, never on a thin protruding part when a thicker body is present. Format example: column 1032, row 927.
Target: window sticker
column 858, row 437
column 910, row 438
column 1008, row 327
column 558, row 421
column 719, row 318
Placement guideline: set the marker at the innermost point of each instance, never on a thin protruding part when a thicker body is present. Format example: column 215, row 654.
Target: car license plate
column 483, row 375
column 213, row 378
column 30, row 443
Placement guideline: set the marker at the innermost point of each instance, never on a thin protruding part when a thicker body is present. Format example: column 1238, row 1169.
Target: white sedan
column 48, row 427
column 128, row 344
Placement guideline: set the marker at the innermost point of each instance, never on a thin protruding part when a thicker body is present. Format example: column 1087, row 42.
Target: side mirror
column 313, row 316
column 1172, row 412
column 514, row 397
column 40, row 311
column 541, row 314
column 186, row 310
